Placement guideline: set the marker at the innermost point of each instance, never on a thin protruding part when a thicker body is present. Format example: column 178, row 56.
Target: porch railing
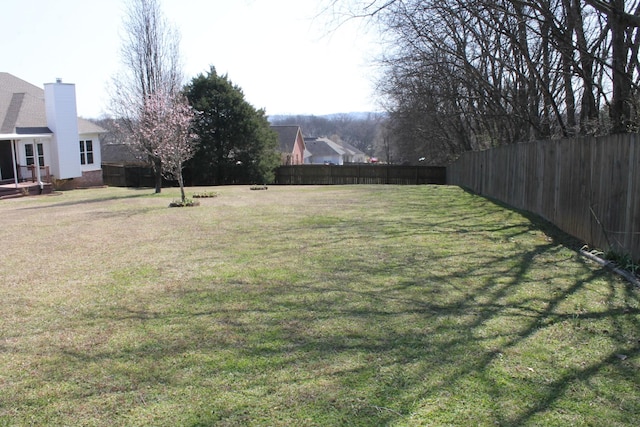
column 29, row 173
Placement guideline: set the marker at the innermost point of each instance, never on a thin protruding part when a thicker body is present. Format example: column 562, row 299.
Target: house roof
column 322, row 147
column 22, row 109
column 326, row 147
column 351, row 149
column 287, row 137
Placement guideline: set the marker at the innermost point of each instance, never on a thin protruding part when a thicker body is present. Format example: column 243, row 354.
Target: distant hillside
column 364, row 115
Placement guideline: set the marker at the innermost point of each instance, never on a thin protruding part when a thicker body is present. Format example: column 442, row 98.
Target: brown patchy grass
column 355, row 305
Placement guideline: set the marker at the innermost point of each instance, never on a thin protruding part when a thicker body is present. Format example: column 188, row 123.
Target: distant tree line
column 467, row 75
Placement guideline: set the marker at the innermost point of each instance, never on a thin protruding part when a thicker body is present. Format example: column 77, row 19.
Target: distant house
column 42, row 137
column 352, row 154
column 292, row 146
column 325, row 151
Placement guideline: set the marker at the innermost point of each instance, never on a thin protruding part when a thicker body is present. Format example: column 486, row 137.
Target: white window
column 86, row 152
column 30, row 157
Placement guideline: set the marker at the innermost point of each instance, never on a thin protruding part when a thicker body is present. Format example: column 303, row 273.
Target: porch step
column 6, row 193
column 10, row 191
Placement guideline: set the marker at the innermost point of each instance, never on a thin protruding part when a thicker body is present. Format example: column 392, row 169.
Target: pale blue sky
column 282, row 55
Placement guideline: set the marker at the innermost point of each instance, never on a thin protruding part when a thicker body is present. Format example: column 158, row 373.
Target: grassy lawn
column 318, row 306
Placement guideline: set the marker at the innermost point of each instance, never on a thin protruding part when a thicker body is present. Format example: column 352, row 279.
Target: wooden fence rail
column 588, row 187
column 359, row 174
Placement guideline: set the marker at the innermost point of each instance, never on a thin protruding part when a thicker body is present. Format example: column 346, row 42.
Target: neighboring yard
column 318, row 306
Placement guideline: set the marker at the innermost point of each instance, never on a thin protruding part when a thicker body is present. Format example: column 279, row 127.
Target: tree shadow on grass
column 464, row 350
column 89, row 201
column 381, row 329
column 452, row 345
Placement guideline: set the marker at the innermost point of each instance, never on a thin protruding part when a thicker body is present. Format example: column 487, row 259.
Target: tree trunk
column 181, row 182
column 566, row 48
column 157, row 169
column 588, row 110
column 620, row 108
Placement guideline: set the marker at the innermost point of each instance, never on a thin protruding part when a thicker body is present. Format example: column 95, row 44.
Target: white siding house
column 41, row 127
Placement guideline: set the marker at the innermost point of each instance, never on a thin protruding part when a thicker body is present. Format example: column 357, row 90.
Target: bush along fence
column 588, row 187
column 359, row 174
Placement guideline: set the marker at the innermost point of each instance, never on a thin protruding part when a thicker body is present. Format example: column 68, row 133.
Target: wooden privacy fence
column 119, row 175
column 359, row 174
column 129, row 175
column 588, row 187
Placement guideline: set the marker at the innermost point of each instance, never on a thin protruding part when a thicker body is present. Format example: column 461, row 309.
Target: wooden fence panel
column 633, row 201
column 565, row 187
column 588, row 187
column 359, row 174
column 371, row 175
column 532, row 176
column 113, row 175
column 581, row 175
column 549, row 188
column 614, row 191
column 573, row 200
column 600, row 181
column 119, row 175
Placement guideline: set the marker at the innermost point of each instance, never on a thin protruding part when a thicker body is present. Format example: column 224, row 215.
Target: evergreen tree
column 237, row 145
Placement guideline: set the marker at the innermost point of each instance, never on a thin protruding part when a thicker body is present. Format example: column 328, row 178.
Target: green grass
column 354, row 305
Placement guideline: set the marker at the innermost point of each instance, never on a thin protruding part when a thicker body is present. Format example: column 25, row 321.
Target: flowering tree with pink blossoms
column 166, row 123
column 150, row 57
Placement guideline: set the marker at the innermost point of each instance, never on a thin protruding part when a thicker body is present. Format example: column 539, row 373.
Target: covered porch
column 23, row 167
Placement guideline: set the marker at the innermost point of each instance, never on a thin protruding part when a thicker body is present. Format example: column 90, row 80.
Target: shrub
column 186, row 203
column 205, row 194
